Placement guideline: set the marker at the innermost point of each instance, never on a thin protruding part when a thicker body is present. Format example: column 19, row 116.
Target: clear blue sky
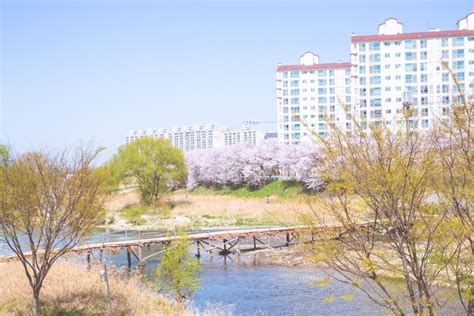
column 80, row 71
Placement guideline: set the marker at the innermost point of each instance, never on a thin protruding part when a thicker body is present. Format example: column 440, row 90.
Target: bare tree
column 454, row 139
column 383, row 177
column 49, row 202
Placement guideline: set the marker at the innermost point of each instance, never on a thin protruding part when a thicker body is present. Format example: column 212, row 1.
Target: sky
column 81, row 72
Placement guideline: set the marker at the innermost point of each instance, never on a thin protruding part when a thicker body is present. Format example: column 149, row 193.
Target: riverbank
column 206, row 208
column 72, row 289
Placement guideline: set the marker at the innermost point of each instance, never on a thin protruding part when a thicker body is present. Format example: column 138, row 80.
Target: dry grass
column 279, row 210
column 117, row 202
column 71, row 289
column 210, row 210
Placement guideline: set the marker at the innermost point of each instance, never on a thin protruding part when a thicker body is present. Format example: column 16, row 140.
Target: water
column 247, row 287
column 255, row 289
column 250, row 287
column 275, row 290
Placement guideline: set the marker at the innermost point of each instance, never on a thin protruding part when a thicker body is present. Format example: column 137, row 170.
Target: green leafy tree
column 4, row 155
column 49, row 202
column 178, row 270
column 154, row 164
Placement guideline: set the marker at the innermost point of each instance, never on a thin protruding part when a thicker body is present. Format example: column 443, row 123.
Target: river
column 251, row 288
column 248, row 287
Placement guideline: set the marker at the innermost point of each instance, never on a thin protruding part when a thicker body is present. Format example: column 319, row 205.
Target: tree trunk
column 470, row 306
column 35, row 308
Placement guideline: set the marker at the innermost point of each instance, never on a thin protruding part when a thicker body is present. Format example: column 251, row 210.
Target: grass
column 133, row 215
column 278, row 188
column 72, row 290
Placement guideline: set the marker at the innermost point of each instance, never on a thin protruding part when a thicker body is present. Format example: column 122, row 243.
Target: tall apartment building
column 195, row 137
column 309, row 95
column 389, row 70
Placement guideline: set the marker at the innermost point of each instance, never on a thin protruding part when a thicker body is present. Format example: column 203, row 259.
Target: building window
column 444, row 42
column 460, row 76
column 374, row 46
column 375, row 91
column 375, row 69
column 410, row 56
column 362, row 47
column 458, row 64
column 376, row 102
column 375, row 80
column 374, row 58
column 423, row 43
column 458, row 53
column 444, row 54
column 410, row 78
column 458, row 41
column 410, row 44
column 410, row 67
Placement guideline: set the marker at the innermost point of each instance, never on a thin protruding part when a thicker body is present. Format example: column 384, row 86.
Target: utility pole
column 105, row 278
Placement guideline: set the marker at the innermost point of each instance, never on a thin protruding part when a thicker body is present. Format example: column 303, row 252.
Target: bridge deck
column 225, row 234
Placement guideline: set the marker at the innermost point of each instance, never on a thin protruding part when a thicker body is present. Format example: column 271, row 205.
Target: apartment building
column 388, row 71
column 197, row 137
column 310, row 95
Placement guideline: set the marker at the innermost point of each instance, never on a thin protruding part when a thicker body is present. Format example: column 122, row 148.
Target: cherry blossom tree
column 253, row 166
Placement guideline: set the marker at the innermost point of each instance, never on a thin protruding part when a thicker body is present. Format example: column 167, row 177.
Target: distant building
column 386, row 72
column 312, row 93
column 271, row 135
column 196, row 137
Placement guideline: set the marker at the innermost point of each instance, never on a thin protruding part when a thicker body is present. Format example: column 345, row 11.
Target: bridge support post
column 198, row 246
column 287, row 239
column 129, row 258
column 141, row 263
column 254, row 243
column 238, row 247
column 88, row 258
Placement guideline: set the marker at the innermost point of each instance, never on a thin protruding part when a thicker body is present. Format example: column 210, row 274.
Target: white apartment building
column 388, row 70
column 309, row 95
column 206, row 136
